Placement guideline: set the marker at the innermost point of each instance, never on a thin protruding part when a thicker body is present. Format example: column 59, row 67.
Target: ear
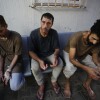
column 89, row 32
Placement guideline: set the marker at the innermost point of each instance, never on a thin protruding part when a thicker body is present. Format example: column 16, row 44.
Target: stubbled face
column 92, row 39
column 46, row 24
column 3, row 31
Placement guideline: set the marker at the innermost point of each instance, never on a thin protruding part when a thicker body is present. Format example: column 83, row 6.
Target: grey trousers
column 37, row 72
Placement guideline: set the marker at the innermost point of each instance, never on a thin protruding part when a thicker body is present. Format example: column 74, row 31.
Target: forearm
column 56, row 53
column 13, row 62
column 34, row 56
column 78, row 64
column 95, row 59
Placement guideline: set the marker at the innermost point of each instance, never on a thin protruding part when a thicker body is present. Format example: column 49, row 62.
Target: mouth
column 46, row 29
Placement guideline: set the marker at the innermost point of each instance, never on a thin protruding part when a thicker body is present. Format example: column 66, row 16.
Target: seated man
column 82, row 51
column 10, row 57
column 44, row 51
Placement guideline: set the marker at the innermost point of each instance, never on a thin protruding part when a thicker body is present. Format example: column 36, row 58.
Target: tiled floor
column 28, row 91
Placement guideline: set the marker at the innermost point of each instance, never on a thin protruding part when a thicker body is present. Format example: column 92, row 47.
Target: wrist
column 8, row 70
column 9, row 67
column 39, row 60
column 56, row 56
column 6, row 75
column 87, row 69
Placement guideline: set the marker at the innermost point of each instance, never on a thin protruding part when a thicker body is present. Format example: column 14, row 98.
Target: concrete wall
column 23, row 19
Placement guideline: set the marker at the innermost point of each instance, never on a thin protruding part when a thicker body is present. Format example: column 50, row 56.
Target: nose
column 45, row 25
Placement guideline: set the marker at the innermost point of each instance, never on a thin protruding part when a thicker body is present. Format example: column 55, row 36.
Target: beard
column 45, row 30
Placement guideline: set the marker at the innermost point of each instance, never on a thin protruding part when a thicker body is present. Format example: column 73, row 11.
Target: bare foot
column 56, row 87
column 67, row 93
column 40, row 92
column 90, row 92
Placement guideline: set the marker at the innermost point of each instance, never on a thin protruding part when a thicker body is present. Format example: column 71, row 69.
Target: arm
column 72, row 53
column 91, row 71
column 56, row 56
column 95, row 59
column 7, row 74
column 33, row 47
column 56, row 47
column 17, row 52
column 56, row 53
column 34, row 56
column 13, row 62
column 41, row 62
column 1, row 66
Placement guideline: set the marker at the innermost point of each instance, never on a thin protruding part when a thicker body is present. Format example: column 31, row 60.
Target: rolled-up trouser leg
column 56, row 70
column 37, row 72
column 88, row 61
column 69, row 69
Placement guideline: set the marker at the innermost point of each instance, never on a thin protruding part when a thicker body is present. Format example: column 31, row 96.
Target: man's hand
column 43, row 65
column 55, row 62
column 94, row 73
column 7, row 76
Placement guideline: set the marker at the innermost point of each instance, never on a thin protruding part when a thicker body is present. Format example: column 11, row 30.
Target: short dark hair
column 49, row 16
column 2, row 21
column 96, row 28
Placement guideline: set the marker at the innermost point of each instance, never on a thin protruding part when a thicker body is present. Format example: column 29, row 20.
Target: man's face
column 3, row 31
column 46, row 24
column 92, row 39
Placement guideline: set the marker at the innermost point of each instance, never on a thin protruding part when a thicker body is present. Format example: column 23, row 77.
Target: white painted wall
column 23, row 19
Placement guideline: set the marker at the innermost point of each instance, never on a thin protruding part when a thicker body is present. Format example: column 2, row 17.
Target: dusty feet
column 67, row 93
column 56, row 87
column 40, row 92
column 90, row 92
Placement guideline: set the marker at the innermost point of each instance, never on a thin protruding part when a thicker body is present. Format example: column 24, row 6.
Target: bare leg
column 67, row 90
column 56, row 87
column 40, row 92
column 86, row 85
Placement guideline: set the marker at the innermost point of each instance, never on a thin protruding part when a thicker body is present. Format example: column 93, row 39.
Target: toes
column 56, row 88
column 90, row 92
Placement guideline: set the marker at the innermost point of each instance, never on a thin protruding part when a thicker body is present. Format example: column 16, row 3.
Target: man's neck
column 85, row 36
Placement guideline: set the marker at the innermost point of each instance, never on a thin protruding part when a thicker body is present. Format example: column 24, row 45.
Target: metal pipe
column 55, row 4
